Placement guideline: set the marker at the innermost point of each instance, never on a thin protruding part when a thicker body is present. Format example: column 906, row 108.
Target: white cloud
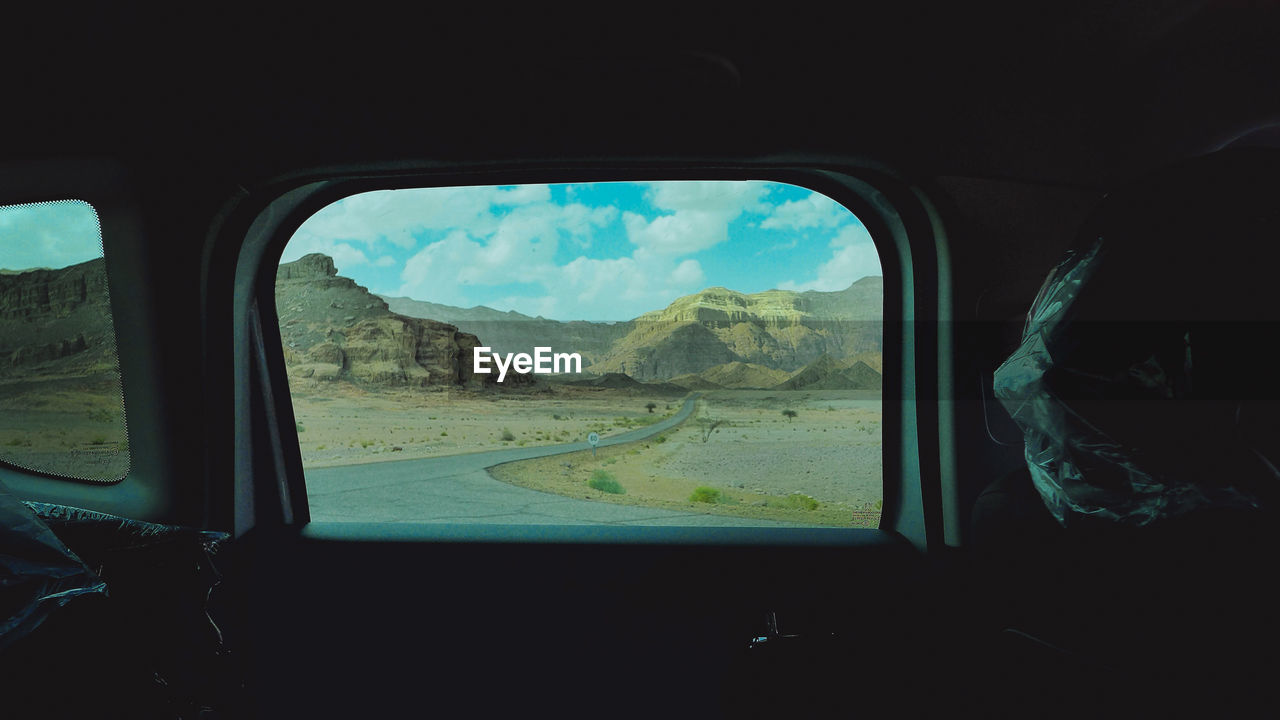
column 522, row 195
column 344, row 255
column 505, row 240
column 718, row 196
column 596, row 289
column 815, row 211
column 397, row 216
column 682, row 233
column 853, row 257
column 700, row 213
column 687, row 274
column 521, row 249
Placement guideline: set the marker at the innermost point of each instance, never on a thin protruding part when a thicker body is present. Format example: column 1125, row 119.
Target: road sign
column 594, row 439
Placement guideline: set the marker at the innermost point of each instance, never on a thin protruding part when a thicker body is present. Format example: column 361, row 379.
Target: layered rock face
column 56, row 321
column 775, row 329
column 334, row 329
column 512, row 332
column 779, row 330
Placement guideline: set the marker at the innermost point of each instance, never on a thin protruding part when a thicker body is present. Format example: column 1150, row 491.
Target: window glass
column 668, row 353
column 61, row 407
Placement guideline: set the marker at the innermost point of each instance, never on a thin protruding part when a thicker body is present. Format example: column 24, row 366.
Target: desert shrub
column 709, row 426
column 605, row 482
column 507, row 435
column 800, row 501
column 321, row 447
column 299, row 426
column 611, row 461
column 705, row 494
column 444, row 433
column 660, row 439
column 651, row 406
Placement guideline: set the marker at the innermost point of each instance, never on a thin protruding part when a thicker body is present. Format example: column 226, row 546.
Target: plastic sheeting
column 1112, row 423
column 38, row 572
column 142, row 645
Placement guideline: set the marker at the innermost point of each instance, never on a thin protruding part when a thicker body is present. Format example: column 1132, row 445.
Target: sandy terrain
column 342, row 425
column 71, row 426
column 822, row 466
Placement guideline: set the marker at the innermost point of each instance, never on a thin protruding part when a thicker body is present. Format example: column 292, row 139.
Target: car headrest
column 1145, row 386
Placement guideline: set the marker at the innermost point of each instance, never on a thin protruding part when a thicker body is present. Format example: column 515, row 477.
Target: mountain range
column 726, row 338
column 56, row 322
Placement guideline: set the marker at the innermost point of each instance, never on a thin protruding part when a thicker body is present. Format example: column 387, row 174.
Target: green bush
column 800, row 501
column 605, row 482
column 660, row 439
column 299, row 426
column 507, row 435
column 705, row 494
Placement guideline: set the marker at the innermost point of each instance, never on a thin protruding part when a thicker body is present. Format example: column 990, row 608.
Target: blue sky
column 597, row 251
column 51, row 235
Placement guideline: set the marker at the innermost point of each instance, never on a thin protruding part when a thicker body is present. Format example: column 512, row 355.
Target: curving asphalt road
column 459, row 489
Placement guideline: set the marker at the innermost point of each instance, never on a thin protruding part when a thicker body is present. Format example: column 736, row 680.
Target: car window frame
column 269, row 487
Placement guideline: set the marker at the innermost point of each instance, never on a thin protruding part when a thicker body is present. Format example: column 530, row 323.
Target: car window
column 61, row 406
column 669, row 353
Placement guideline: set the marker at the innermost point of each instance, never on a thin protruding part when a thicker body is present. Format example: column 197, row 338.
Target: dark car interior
column 1089, row 538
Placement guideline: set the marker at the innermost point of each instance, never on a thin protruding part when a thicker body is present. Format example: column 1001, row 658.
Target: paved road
column 459, row 489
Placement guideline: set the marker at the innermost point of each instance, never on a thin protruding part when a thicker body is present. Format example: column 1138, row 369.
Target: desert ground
column 738, row 454
column 339, row 424
column 70, row 426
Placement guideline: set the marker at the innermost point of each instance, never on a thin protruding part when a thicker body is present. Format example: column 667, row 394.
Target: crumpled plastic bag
column 38, row 572
column 1108, row 405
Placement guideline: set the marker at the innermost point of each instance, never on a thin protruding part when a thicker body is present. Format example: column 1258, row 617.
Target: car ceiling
column 1079, row 93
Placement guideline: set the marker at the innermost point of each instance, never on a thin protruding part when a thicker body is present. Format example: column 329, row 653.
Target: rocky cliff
column 336, row 330
column 512, row 332
column 828, row 373
column 760, row 339
column 56, row 321
column 776, row 329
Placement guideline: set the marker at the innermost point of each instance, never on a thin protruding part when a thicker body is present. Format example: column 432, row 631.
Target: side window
column 61, row 406
column 667, row 353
